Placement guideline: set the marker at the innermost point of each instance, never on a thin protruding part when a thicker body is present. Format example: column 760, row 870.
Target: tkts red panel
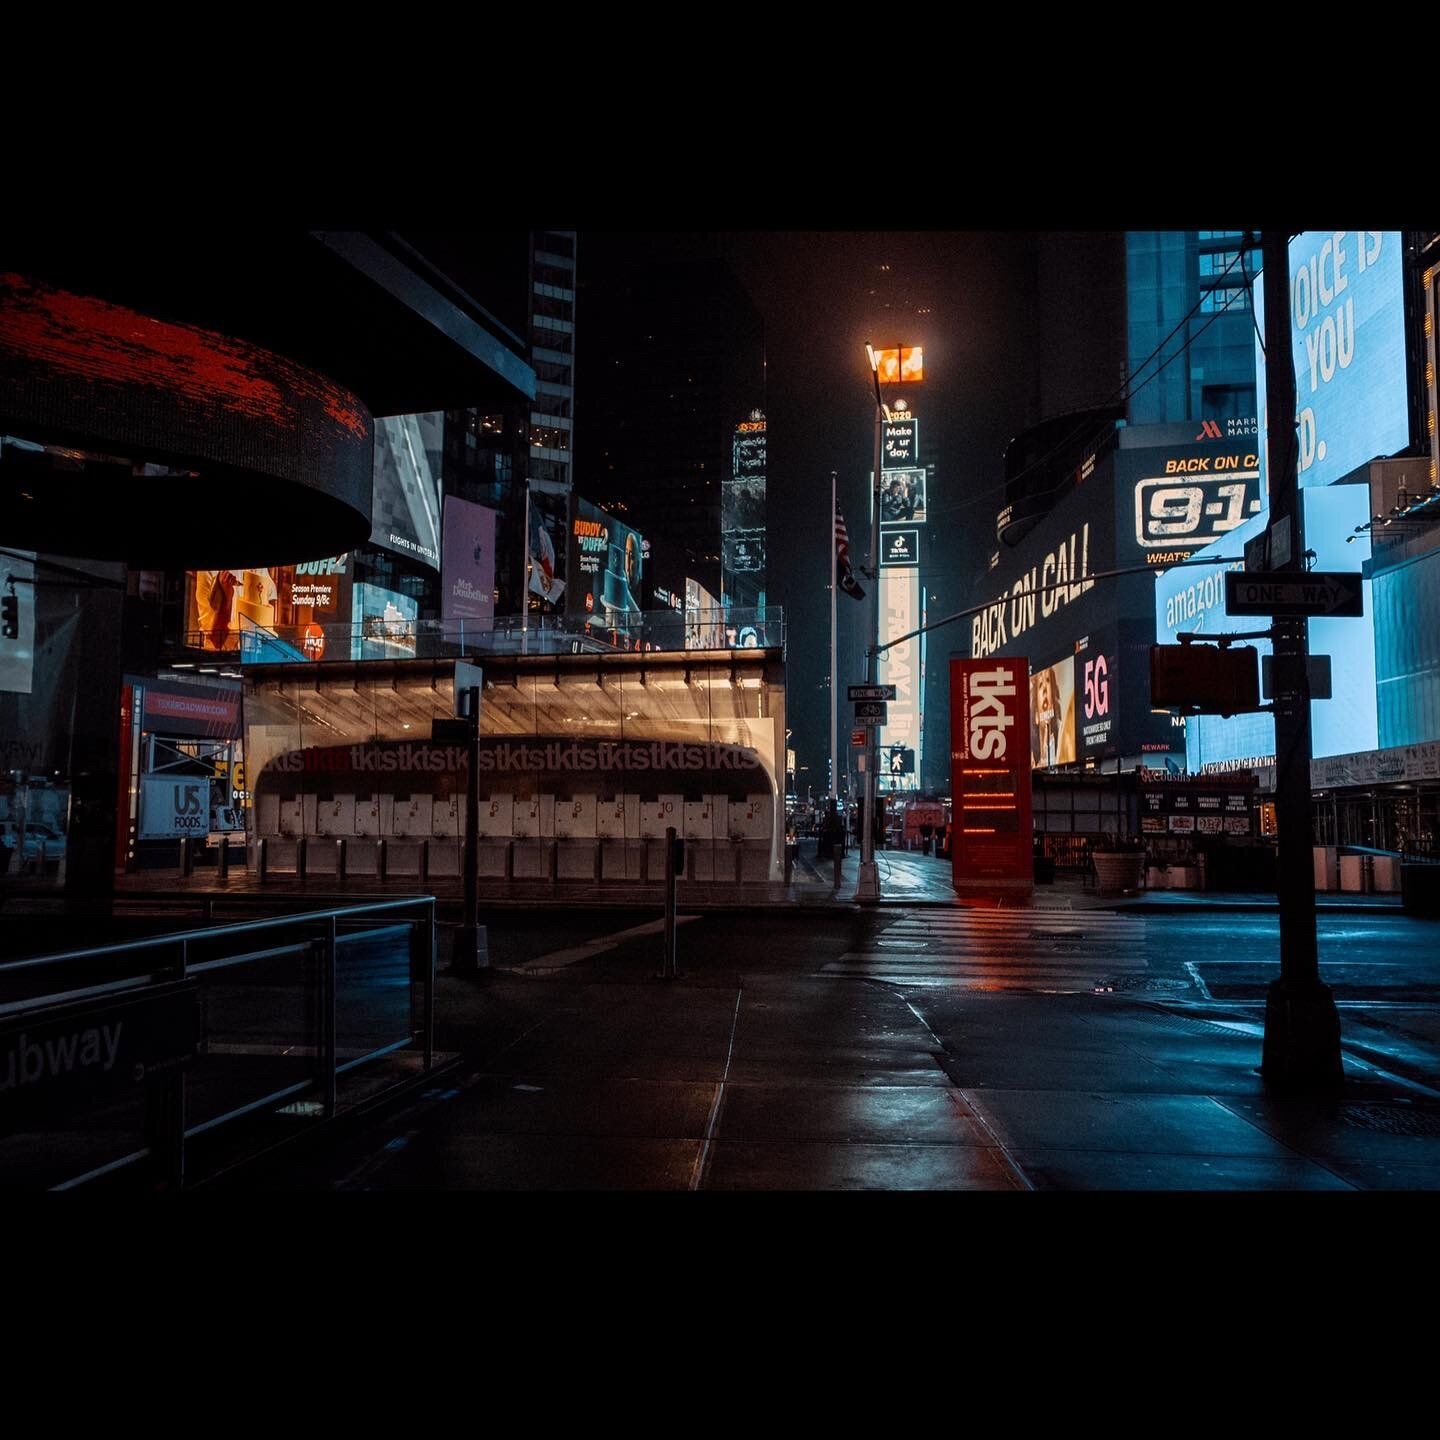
column 990, row 771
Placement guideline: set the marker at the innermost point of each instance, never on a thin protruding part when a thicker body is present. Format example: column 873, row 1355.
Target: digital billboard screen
column 1347, row 337
column 1193, row 599
column 1052, row 715
column 606, row 565
column 385, row 623
column 303, row 606
column 406, row 498
column 902, row 497
column 900, row 444
column 467, row 588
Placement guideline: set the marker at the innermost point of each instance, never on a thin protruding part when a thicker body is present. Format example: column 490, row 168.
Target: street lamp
column 868, row 889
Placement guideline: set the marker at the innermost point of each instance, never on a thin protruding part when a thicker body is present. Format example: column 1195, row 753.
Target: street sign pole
column 867, row 891
column 1302, row 1025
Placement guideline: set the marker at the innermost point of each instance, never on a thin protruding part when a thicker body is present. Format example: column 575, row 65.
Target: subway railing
column 395, row 637
column 168, row 1058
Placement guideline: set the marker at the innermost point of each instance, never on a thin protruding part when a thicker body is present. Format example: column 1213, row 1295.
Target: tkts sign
column 990, row 771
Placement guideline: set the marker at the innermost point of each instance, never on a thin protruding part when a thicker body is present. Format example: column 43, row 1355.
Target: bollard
column 669, row 963
column 222, row 859
column 424, row 862
column 382, row 857
column 300, row 857
column 187, row 858
column 262, row 847
column 340, row 851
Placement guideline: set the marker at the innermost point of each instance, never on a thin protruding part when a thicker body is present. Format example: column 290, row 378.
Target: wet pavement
column 910, row 1049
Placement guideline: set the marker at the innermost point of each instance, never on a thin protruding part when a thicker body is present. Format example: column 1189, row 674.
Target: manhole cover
column 1392, row 1119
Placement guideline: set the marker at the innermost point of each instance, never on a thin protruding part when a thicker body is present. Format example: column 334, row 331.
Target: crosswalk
column 1060, row 951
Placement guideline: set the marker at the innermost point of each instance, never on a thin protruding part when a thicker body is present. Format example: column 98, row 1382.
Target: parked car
column 36, row 836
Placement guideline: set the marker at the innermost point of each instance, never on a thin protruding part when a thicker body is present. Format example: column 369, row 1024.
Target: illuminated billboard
column 406, row 514
column 1052, row 715
column 900, row 443
column 385, row 623
column 900, row 665
column 902, row 497
column 990, row 772
column 742, row 512
column 467, row 577
column 1347, row 336
column 1176, row 498
column 606, row 561
column 298, row 605
column 899, row 367
column 1193, row 599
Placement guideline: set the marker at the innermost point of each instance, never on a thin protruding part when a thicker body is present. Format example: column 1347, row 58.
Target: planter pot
column 1119, row 869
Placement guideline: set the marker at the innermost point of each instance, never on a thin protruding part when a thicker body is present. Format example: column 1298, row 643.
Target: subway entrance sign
column 1316, row 592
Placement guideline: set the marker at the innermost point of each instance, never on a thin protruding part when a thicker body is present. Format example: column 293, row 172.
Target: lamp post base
column 867, row 892
column 1302, row 1037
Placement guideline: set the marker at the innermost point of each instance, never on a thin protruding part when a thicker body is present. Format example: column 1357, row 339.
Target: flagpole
column 525, row 580
column 834, row 668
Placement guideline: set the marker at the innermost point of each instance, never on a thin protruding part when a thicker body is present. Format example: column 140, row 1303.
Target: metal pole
column 868, row 888
column 328, row 1020
column 834, row 654
column 669, row 967
column 1302, row 1025
column 525, row 578
column 470, row 956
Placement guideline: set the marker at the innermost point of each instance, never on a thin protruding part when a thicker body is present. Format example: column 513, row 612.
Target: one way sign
column 1317, row 592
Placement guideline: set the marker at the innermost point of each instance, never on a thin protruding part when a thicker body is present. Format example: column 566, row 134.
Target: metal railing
column 254, row 1020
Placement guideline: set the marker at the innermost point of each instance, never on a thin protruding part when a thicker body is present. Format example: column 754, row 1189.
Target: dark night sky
column 1015, row 326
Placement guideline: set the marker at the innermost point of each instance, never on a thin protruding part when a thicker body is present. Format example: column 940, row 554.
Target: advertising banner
column 900, row 444
column 467, row 576
column 201, row 711
column 902, row 497
column 174, row 806
column 1052, row 715
column 385, row 624
column 900, row 547
column 990, row 771
column 900, row 614
column 1176, row 499
column 406, row 514
column 606, row 563
column 296, row 603
column 1347, row 336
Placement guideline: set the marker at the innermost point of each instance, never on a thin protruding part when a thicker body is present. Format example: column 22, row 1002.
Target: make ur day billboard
column 990, row 771
column 1347, row 336
column 467, row 575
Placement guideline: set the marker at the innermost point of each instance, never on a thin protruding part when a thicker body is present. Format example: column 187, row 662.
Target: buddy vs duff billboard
column 990, row 771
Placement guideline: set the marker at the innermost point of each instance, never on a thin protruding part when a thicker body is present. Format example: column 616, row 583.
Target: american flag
column 848, row 583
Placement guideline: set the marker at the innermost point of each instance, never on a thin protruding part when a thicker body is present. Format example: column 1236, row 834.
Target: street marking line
column 558, row 959
column 702, row 1160
column 955, row 1091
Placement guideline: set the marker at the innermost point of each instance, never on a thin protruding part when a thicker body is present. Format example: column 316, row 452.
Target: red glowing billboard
column 990, row 771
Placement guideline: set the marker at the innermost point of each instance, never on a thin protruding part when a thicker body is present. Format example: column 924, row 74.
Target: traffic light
column 1205, row 679
column 10, row 612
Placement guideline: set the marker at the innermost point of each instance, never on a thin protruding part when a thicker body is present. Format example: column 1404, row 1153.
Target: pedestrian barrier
column 170, row 1058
